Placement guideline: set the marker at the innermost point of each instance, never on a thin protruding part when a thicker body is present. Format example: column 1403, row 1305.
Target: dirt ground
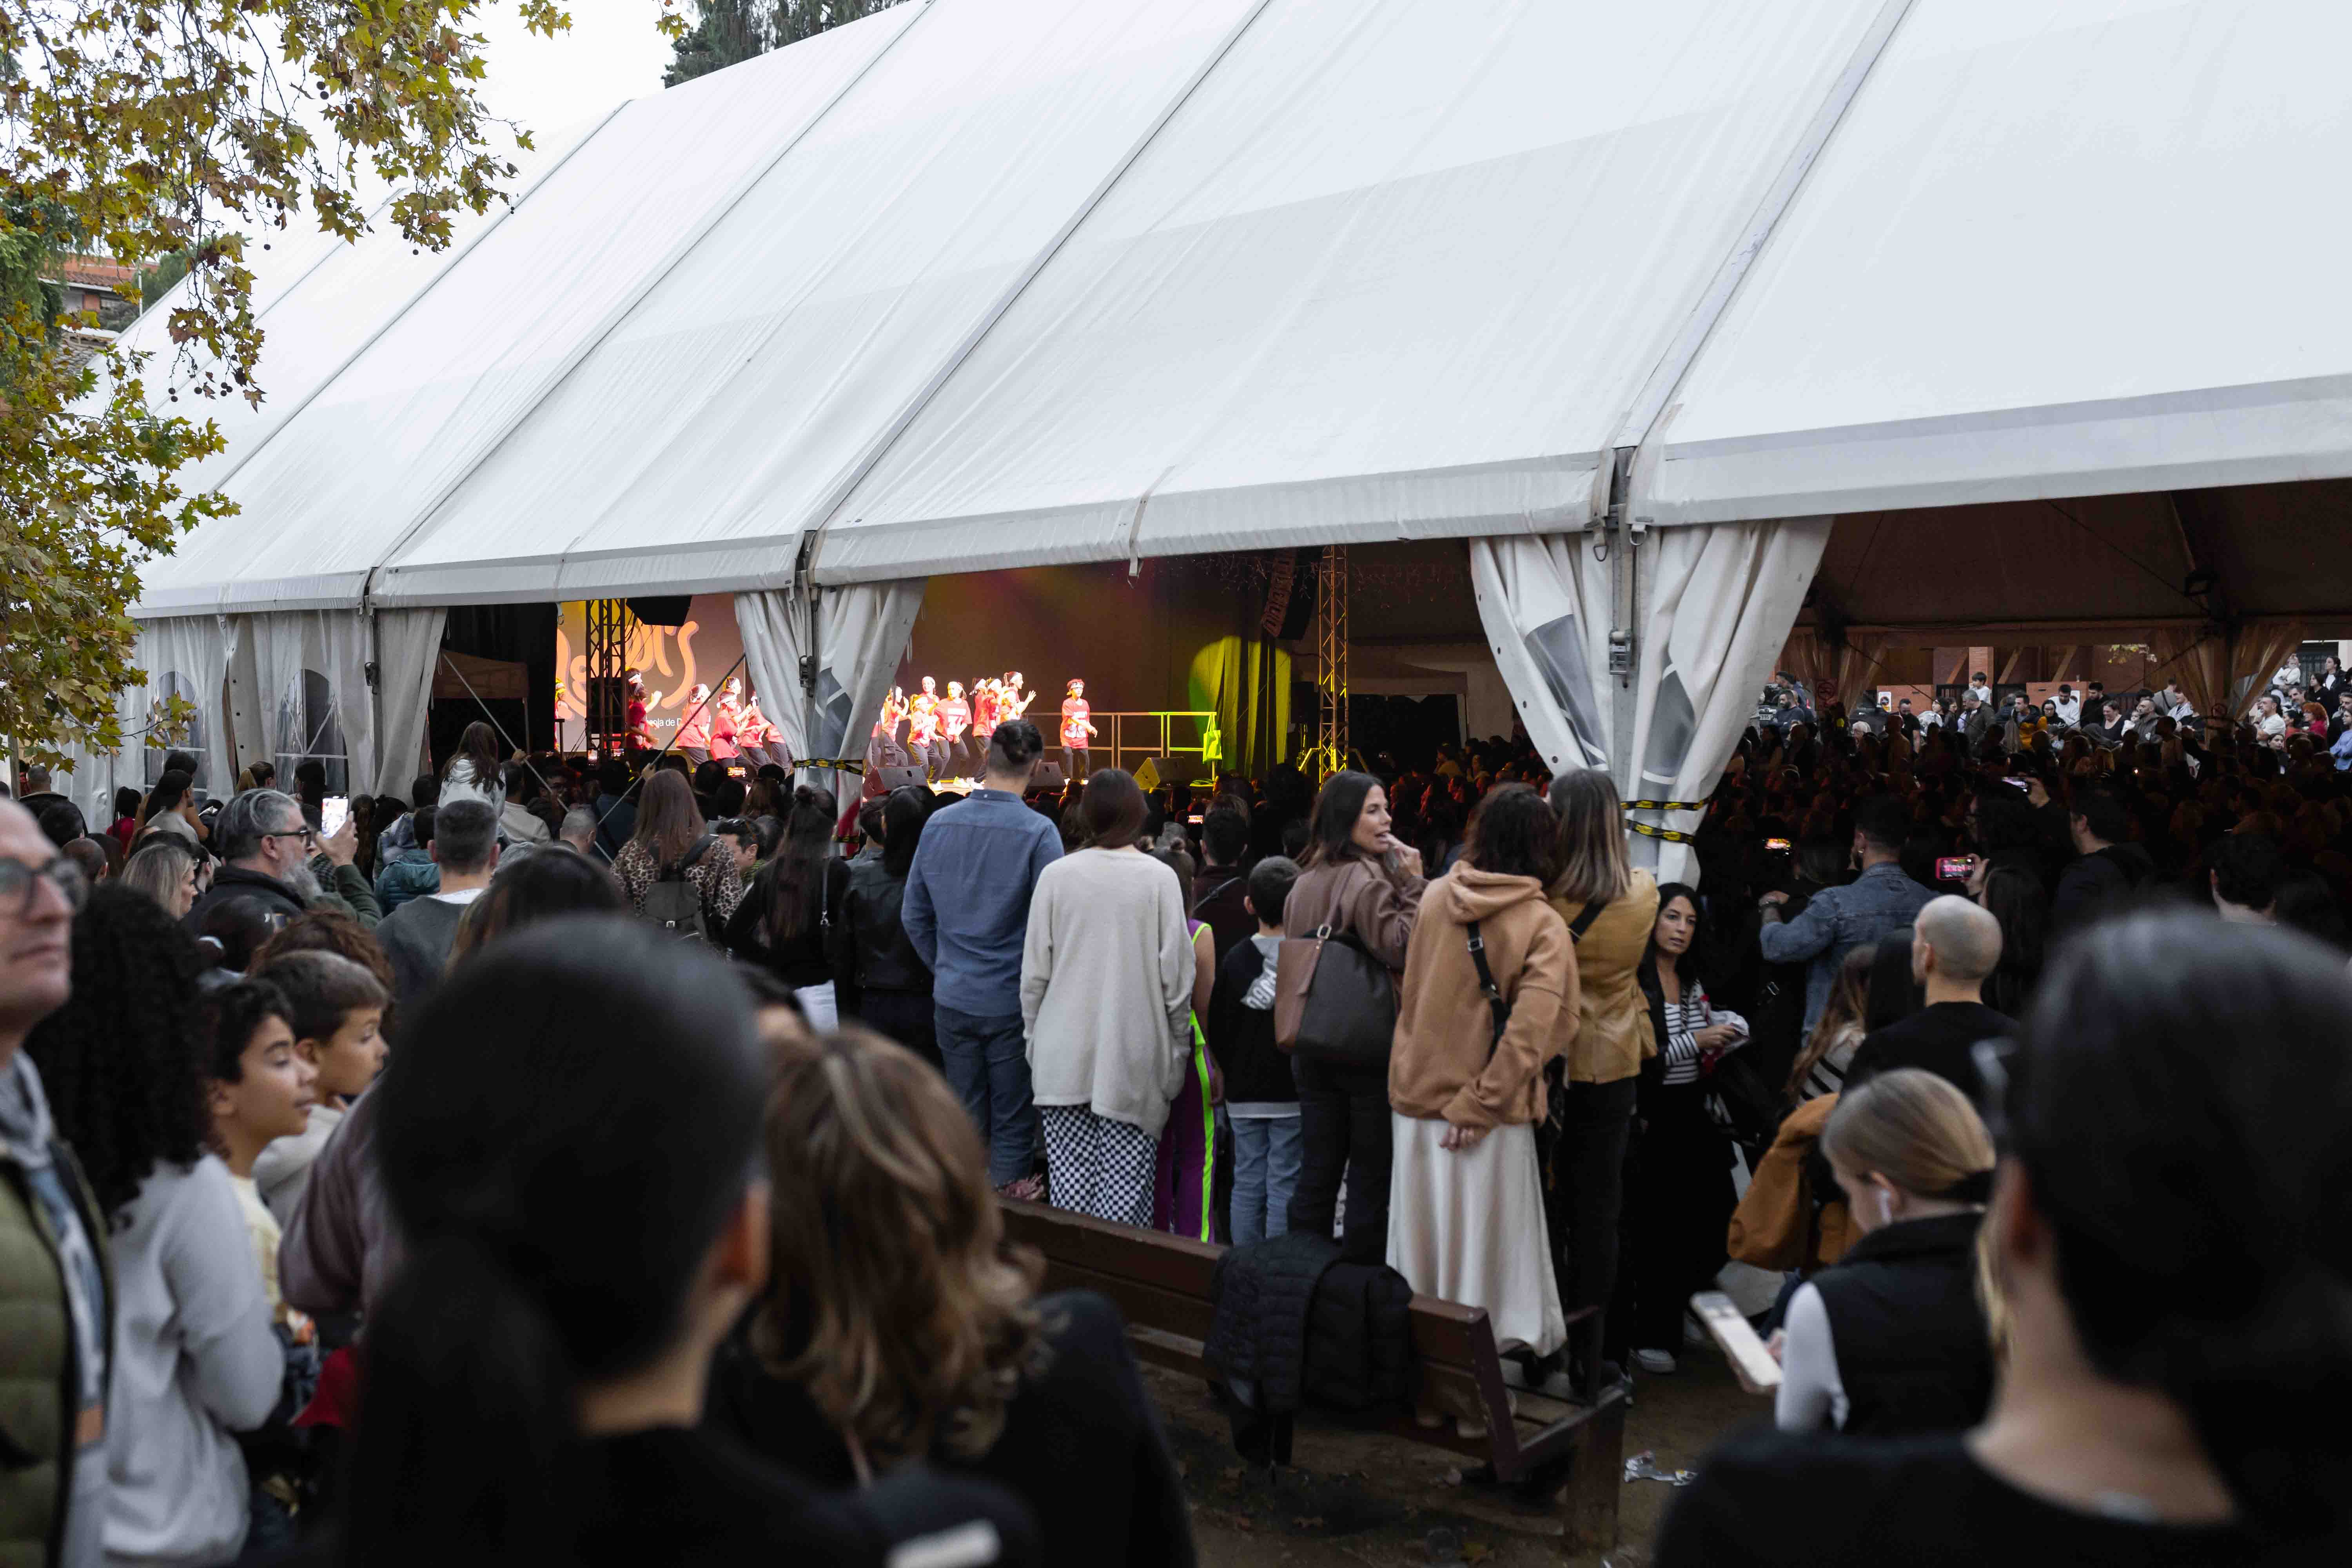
column 1369, row 1500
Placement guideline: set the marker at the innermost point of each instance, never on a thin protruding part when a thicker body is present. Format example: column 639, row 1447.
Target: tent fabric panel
column 1397, row 236
column 744, row 391
column 467, row 358
column 2012, row 245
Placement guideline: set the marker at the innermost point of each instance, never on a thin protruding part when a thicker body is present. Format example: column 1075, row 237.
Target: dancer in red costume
column 955, row 720
column 639, row 737
column 726, row 722
column 1014, row 703
column 923, row 730
column 1077, row 729
column 983, row 715
column 694, row 727
column 763, row 742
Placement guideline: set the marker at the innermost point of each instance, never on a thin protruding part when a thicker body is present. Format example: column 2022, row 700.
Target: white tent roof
column 2057, row 247
column 981, row 283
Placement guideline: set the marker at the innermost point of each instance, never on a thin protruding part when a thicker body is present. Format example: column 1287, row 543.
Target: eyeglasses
column 289, row 833
column 19, row 878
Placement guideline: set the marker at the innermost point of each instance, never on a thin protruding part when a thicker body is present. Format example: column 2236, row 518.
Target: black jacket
column 235, row 882
column 2094, row 882
column 1242, row 1037
column 866, row 942
column 1261, row 1299
column 1912, row 1346
column 1219, row 907
column 1082, row 1444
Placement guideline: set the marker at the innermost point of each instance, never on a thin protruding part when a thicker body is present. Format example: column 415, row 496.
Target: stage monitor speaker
column 1298, row 614
column 1049, row 776
column 1156, row 773
column 899, row 778
column 666, row 610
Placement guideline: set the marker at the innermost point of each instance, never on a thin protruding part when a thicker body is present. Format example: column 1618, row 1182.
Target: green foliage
column 157, row 280
column 147, row 129
column 729, row 32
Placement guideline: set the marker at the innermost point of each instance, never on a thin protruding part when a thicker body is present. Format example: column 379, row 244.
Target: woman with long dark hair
column 901, row 1324
column 783, row 917
column 878, row 976
column 193, row 1359
column 1356, row 879
column 474, row 773
column 2166, row 1233
column 1466, row 1078
column 1107, row 974
column 669, row 845
column 170, row 808
column 1683, row 1195
column 2014, row 897
column 583, row 1226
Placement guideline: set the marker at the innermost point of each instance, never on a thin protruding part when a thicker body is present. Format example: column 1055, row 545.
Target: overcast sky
column 611, row 53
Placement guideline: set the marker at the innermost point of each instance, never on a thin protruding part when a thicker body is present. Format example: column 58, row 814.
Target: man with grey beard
column 267, row 848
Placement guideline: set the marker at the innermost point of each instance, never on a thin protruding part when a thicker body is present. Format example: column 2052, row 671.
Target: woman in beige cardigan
column 1467, row 1201
column 1609, row 907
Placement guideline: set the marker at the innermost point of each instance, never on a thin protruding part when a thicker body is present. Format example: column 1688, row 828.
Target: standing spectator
column 2108, row 867
column 1683, row 1195
column 397, row 829
column 1489, row 966
column 579, row 834
column 336, row 1010
column 669, row 849
column 1821, row 1066
column 56, row 1356
column 536, row 1375
column 1955, row 947
column 171, row 809
column 535, row 888
column 1107, row 980
column 1893, row 1338
column 1356, row 878
column 267, row 848
column 1261, row 1095
column 1222, row 888
column 412, row 873
column 2162, row 1333
column 474, row 773
column 1610, row 908
column 125, row 825
column 193, row 1357
column 1880, row 901
column 2013, row 897
column 966, row 909
column 878, row 974
column 1184, row 1178
column 900, row 1325
column 416, row 937
column 165, row 870
column 782, row 920
column 2243, row 870
column 617, row 814
column 518, row 819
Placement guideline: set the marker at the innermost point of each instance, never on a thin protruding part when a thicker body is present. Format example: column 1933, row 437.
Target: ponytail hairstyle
column 2178, row 1108
column 558, row 1192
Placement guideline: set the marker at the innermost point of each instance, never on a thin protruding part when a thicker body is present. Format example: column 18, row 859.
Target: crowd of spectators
column 673, row 1228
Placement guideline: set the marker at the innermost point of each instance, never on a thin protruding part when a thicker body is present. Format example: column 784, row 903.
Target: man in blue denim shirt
column 967, row 912
column 1878, row 903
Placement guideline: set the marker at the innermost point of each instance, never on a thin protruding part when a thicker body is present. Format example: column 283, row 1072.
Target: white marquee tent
column 983, row 283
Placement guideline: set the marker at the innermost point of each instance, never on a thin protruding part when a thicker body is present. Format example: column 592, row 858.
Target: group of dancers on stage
column 729, row 729
column 947, row 737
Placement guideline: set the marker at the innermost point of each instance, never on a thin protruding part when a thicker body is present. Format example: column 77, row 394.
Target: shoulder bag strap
column 1494, row 993
column 1583, row 922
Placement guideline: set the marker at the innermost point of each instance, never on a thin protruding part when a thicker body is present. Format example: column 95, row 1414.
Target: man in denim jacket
column 1878, row 903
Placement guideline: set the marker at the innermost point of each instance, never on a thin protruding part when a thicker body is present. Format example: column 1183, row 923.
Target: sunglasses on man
column 20, row 879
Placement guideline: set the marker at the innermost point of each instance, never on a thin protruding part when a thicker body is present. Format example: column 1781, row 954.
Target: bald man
column 1955, row 946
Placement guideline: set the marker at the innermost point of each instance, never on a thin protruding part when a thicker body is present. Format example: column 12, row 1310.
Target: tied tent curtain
column 1808, row 657
column 862, row 630
column 1720, row 601
column 2222, row 669
column 407, row 646
column 1855, row 669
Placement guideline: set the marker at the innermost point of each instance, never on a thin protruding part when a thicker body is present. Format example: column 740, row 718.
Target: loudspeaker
column 1298, row 614
column 1047, row 776
column 666, row 610
column 899, row 778
column 1155, row 772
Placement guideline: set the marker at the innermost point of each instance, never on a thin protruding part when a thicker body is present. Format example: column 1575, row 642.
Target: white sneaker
column 1657, row 1363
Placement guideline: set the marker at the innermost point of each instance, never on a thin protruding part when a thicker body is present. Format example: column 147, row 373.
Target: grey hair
column 579, row 826
column 247, row 817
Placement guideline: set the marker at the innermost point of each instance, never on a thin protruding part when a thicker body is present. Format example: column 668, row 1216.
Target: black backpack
column 673, row 902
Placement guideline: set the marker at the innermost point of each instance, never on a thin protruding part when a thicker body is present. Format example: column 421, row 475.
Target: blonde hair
column 896, row 1300
column 1591, row 837
column 1916, row 1129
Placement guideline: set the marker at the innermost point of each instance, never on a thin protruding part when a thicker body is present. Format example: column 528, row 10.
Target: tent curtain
column 1248, row 684
column 862, row 631
column 1855, row 668
column 1808, row 655
column 1721, row 599
column 307, row 695
column 2220, row 670
column 186, row 657
column 1544, row 603
column 407, row 648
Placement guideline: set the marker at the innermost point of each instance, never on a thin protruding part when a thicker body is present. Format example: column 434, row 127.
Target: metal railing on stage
column 1128, row 738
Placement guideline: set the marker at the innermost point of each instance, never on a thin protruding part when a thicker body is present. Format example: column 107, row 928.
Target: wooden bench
column 1160, row 1283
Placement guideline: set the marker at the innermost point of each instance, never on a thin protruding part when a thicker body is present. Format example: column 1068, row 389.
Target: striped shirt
column 1684, row 1020
column 1827, row 1075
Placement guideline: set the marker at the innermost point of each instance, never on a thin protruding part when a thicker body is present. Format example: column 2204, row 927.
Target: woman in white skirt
column 1465, row 1077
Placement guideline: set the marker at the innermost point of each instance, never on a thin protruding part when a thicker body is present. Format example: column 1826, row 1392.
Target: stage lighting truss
column 1330, row 753
column 606, row 699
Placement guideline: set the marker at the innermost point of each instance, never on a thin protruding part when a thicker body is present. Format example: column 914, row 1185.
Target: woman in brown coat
column 1359, row 879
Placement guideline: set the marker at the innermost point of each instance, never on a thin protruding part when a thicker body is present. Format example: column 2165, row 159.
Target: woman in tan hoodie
column 1466, row 1077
